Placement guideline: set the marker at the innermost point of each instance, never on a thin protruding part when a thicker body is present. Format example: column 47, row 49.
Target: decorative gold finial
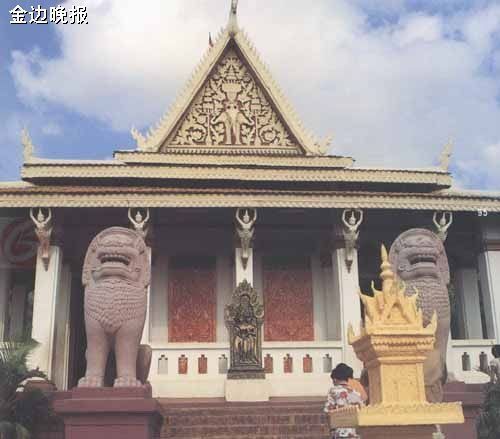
column 232, row 24
column 444, row 159
column 386, row 273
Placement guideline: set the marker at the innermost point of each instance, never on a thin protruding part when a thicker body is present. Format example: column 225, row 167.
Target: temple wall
column 197, row 366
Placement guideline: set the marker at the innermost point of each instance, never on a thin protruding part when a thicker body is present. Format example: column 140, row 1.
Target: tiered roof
column 231, row 138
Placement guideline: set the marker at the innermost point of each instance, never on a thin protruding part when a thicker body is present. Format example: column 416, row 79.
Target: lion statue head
column 117, row 253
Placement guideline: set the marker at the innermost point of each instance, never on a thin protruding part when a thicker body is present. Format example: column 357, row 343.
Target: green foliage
column 488, row 425
column 20, row 408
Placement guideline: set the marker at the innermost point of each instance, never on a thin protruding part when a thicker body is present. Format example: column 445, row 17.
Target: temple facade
column 228, row 187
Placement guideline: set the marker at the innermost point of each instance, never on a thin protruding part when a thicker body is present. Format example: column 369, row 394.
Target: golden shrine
column 393, row 344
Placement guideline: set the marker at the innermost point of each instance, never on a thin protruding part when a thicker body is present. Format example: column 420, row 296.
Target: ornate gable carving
column 231, row 109
column 231, row 104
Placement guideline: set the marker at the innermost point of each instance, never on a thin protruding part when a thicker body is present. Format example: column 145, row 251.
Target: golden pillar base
column 397, row 421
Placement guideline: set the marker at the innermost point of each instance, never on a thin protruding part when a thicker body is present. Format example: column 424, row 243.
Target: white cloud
column 418, row 29
column 392, row 95
column 52, row 129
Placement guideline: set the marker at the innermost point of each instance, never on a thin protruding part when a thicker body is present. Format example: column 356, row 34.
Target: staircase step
column 246, row 419
column 218, row 419
column 249, row 430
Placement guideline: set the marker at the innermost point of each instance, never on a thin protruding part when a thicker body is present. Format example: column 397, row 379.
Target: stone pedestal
column 109, row 413
column 399, row 432
column 255, row 390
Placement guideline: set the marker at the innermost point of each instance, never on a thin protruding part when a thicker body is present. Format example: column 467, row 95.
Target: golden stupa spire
column 391, row 306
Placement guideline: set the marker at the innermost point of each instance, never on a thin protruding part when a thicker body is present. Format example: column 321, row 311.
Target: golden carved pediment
column 232, row 110
column 231, row 104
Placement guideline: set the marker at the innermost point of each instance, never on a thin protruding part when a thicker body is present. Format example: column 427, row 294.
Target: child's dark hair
column 342, row 372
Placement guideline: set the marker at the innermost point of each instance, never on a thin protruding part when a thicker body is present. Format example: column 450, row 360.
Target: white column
column 319, row 310
column 243, row 272
column 225, row 288
column 467, row 285
column 346, row 287
column 258, row 281
column 258, row 275
column 44, row 307
column 4, row 299
column 159, row 300
column 489, row 274
column 61, row 330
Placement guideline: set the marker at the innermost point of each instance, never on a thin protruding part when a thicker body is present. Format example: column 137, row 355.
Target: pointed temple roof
column 230, row 139
column 231, row 104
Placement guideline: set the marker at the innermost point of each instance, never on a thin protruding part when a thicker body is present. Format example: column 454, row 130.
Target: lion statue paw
column 91, row 381
column 127, row 382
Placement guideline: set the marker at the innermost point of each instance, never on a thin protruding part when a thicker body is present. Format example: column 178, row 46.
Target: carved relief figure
column 245, row 232
column 245, row 333
column 419, row 257
column 244, row 318
column 43, row 230
column 116, row 274
column 231, row 109
column 443, row 224
column 351, row 220
column 139, row 221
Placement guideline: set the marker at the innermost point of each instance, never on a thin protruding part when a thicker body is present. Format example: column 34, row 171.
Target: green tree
column 488, row 425
column 20, row 408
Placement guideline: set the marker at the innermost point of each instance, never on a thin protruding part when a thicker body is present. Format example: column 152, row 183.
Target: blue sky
column 391, row 82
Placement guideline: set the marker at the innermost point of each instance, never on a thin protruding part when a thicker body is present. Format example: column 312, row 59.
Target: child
column 342, row 395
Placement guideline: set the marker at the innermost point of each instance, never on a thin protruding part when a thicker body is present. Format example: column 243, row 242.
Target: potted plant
column 20, row 408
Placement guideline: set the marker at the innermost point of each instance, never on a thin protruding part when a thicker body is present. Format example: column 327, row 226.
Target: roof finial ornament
column 28, row 147
column 444, row 159
column 232, row 24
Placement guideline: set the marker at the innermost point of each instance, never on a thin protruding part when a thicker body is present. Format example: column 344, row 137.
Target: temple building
column 230, row 186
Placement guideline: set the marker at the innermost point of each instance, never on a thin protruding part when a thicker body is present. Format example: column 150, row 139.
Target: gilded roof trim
column 250, row 173
column 224, row 160
column 79, row 197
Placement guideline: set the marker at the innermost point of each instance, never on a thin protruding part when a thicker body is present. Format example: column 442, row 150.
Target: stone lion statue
column 116, row 274
column 419, row 258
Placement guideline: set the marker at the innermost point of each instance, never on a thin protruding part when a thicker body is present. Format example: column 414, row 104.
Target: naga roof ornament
column 231, row 103
column 28, row 147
